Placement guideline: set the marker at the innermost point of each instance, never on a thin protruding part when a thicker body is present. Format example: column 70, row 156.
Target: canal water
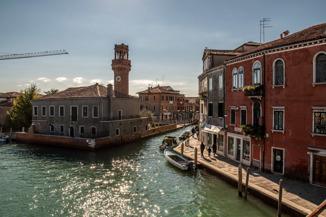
column 130, row 180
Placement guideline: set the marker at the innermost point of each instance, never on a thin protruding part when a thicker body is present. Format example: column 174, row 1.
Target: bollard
column 240, row 180
column 247, row 182
column 195, row 157
column 279, row 207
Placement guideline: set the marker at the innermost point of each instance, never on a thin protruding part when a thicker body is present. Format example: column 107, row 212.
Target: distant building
column 6, row 102
column 93, row 111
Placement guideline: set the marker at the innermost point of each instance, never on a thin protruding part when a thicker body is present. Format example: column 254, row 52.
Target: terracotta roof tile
column 9, row 95
column 159, row 89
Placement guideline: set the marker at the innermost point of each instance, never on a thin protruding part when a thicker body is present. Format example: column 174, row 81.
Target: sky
column 166, row 38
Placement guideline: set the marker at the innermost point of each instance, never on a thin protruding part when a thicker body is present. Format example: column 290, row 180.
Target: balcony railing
column 253, row 90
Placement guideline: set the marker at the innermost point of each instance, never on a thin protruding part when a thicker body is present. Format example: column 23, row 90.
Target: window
column 220, row 143
column 243, row 116
column 241, row 77
column 43, row 111
column 117, row 132
column 234, row 79
column 95, row 111
column 256, row 74
column 61, row 111
column 62, row 128
column 206, row 63
column 51, row 128
column 232, row 121
column 278, row 119
column 35, row 112
column 210, row 109
column 230, row 145
column 93, row 131
column 162, row 98
column 146, row 98
column 85, row 111
column 81, row 130
column 141, row 98
column 210, row 84
column 320, row 121
column 154, row 97
column 278, row 72
column 245, row 150
column 166, row 98
column 221, row 109
column 320, row 68
column 135, row 129
column 120, row 114
column 220, row 82
column 51, row 111
column 73, row 113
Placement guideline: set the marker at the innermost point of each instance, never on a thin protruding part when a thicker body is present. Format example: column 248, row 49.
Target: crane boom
column 35, row 54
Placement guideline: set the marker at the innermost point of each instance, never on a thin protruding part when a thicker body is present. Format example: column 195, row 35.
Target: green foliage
column 253, row 131
column 250, row 87
column 146, row 113
column 52, row 91
column 20, row 115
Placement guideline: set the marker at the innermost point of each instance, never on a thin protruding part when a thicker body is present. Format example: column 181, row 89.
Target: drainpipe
column 264, row 99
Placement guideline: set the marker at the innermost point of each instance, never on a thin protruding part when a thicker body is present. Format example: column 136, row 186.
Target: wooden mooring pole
column 280, row 192
column 240, row 180
column 247, row 182
column 195, row 158
column 318, row 210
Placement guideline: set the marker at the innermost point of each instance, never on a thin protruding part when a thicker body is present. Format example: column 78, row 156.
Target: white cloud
column 44, row 79
column 61, row 79
column 94, row 81
column 78, row 80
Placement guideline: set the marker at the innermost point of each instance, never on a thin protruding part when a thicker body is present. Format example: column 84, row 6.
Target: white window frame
column 241, row 75
column 71, row 113
column 272, row 160
column 43, row 114
column 316, row 109
column 274, row 73
column 61, row 106
column 35, row 113
column 51, row 128
column 98, row 111
column 234, row 79
column 220, row 81
column 258, row 77
column 235, row 115
column 51, row 115
column 278, row 108
column 314, row 69
column 243, row 108
column 80, row 130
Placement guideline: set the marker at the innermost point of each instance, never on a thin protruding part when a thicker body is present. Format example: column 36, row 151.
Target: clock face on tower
column 118, row 78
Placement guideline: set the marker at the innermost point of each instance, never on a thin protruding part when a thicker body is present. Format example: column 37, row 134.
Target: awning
column 207, row 128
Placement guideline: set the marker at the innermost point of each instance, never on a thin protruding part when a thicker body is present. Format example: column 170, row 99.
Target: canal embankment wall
column 91, row 144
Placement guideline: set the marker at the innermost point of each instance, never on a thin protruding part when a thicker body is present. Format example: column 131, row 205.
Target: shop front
column 239, row 148
column 211, row 134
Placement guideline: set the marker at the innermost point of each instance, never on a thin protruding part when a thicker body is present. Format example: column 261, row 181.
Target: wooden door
column 319, row 170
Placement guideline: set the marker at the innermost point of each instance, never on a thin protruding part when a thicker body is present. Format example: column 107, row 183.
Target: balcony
column 254, row 91
column 255, row 131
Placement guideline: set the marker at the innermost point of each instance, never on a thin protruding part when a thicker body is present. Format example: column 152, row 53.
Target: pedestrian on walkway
column 214, row 148
column 202, row 148
column 209, row 149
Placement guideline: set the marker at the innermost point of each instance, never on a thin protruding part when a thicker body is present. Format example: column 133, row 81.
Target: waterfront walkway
column 298, row 197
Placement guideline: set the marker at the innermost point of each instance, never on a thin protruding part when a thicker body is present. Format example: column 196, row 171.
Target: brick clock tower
column 121, row 66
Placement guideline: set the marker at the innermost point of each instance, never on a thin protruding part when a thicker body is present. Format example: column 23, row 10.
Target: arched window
column 235, row 79
column 241, row 77
column 256, row 73
column 320, row 68
column 279, row 72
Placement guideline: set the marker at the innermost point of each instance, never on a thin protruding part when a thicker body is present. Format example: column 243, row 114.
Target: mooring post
column 318, row 210
column 240, row 180
column 195, row 158
column 279, row 207
column 247, row 182
column 182, row 147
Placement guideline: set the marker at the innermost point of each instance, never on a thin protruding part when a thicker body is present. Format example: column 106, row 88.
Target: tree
column 146, row 113
column 52, row 91
column 20, row 115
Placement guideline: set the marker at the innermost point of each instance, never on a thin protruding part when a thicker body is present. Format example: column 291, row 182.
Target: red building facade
column 276, row 106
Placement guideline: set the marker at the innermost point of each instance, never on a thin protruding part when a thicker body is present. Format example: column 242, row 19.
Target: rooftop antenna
column 264, row 24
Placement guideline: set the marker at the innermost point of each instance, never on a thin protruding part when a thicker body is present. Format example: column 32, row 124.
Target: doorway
column 278, row 158
column 71, row 131
column 319, row 171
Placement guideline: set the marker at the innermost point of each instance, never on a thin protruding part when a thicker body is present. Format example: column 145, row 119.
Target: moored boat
column 169, row 142
column 4, row 139
column 185, row 135
column 177, row 160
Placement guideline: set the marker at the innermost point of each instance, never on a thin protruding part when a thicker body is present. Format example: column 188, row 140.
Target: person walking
column 209, row 149
column 214, row 148
column 202, row 148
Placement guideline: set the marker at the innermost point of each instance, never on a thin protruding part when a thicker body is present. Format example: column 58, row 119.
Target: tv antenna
column 264, row 24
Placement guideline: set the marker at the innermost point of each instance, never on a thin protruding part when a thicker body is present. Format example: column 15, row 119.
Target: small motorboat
column 4, row 139
column 169, row 142
column 177, row 160
column 185, row 134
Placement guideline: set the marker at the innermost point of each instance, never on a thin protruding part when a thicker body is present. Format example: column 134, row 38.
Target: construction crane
column 35, row 54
